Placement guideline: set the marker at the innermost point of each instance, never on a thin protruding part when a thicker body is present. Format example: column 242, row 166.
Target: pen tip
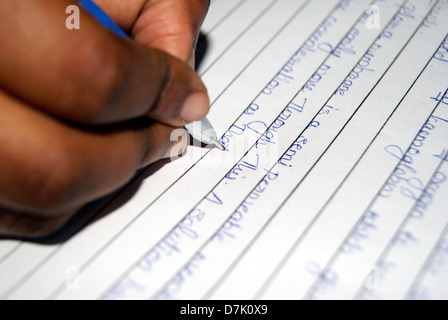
column 219, row 145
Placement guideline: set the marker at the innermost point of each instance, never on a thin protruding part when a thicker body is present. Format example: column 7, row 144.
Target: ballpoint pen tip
column 219, row 145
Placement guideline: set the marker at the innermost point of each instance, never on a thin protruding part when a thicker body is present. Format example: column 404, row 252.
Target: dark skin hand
column 83, row 110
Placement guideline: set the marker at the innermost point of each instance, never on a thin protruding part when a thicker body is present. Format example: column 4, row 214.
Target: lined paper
column 333, row 184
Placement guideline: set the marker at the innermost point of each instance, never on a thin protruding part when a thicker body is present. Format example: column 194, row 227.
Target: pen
column 200, row 130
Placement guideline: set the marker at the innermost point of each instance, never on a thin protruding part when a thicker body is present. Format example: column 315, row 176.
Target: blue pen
column 101, row 17
column 200, row 130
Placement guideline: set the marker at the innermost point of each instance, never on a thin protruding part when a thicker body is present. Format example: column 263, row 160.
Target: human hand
column 83, row 110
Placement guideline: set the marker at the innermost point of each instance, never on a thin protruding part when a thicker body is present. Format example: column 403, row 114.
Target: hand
column 83, row 110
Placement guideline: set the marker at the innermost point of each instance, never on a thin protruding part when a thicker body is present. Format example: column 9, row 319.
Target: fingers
column 172, row 26
column 89, row 75
column 56, row 84
column 50, row 169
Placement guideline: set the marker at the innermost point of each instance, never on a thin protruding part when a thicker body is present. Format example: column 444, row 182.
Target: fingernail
column 195, row 107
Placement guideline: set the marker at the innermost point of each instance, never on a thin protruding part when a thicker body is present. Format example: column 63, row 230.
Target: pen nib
column 219, row 145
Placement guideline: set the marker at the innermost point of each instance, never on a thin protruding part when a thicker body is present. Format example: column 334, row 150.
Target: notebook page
column 334, row 115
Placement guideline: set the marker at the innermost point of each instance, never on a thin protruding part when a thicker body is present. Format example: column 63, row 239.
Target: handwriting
column 361, row 66
column 327, row 109
column 312, row 42
column 443, row 155
column 228, row 228
column 345, row 46
column 441, row 257
column 250, row 111
column 405, row 167
column 361, row 233
column 279, row 78
column 231, row 133
column 433, row 18
column 442, row 53
column 309, row 47
column 281, row 120
column 344, row 5
column 177, row 281
column 404, row 238
column 404, row 13
column 316, row 78
column 441, row 98
column 119, row 290
column 327, row 277
column 241, row 166
column 424, row 201
column 213, row 197
column 292, row 152
column 170, row 243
